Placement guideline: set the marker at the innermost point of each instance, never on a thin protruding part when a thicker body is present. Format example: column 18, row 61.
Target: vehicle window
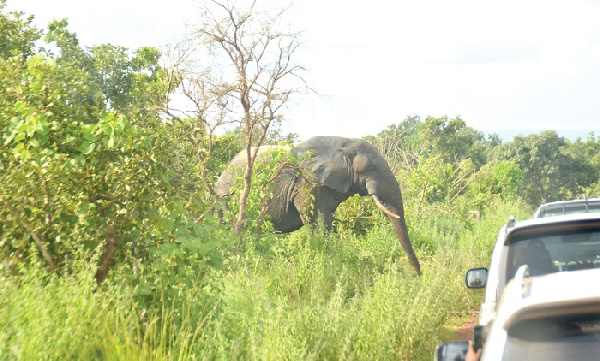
column 560, row 338
column 550, row 211
column 566, row 210
column 558, row 252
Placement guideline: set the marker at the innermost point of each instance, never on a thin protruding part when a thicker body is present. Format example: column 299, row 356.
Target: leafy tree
column 118, row 80
column 588, row 151
column 254, row 80
column 493, row 181
column 399, row 144
column 452, row 139
column 17, row 35
column 75, row 175
column 437, row 159
column 550, row 172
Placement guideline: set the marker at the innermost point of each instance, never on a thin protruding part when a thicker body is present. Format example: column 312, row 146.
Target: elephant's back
column 227, row 178
column 325, row 144
column 241, row 158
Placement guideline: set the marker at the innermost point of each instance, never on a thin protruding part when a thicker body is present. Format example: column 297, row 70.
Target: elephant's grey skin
column 342, row 167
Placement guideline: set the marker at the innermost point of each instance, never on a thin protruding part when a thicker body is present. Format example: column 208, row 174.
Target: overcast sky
column 526, row 65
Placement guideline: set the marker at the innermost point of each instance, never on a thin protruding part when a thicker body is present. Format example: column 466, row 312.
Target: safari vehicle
column 554, row 244
column 549, row 317
column 568, row 207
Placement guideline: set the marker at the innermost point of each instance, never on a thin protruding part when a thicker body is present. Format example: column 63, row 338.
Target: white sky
column 526, row 65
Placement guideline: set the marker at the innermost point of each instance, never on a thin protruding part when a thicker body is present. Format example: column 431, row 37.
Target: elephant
column 340, row 167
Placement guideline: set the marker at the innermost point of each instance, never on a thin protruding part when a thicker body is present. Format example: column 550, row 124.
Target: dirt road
column 465, row 331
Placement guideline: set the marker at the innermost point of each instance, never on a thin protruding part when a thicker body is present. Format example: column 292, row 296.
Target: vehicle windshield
column 555, row 252
column 560, row 338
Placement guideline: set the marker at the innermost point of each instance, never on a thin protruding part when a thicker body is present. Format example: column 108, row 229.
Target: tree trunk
column 108, row 253
column 241, row 221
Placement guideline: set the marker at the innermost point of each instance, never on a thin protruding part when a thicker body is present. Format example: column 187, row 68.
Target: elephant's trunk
column 383, row 208
column 402, row 234
column 396, row 216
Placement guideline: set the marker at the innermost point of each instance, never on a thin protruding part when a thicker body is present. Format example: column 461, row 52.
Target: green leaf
column 168, row 249
column 145, row 197
column 153, row 214
column 178, row 207
column 191, row 243
column 86, row 147
column 168, row 224
column 145, row 289
column 42, row 138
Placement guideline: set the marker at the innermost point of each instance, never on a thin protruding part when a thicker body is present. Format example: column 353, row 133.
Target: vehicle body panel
column 532, row 306
column 552, row 230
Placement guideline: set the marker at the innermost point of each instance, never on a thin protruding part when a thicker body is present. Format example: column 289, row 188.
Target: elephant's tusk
column 384, row 208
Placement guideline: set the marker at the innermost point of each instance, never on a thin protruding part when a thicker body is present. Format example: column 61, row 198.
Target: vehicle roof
column 568, row 206
column 554, row 294
column 557, row 223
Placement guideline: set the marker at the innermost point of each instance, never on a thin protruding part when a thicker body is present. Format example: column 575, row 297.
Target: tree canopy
column 85, row 161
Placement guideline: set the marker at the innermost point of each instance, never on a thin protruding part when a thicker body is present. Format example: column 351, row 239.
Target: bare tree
column 245, row 73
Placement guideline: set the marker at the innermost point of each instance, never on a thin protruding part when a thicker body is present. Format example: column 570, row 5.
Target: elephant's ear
column 334, row 171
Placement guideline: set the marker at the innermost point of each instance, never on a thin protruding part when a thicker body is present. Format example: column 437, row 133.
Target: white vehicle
column 550, row 317
column 554, row 244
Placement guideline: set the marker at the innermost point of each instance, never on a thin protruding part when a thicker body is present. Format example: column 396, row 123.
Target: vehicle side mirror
column 451, row 351
column 476, row 278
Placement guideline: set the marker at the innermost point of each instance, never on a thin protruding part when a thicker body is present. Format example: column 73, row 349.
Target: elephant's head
column 351, row 166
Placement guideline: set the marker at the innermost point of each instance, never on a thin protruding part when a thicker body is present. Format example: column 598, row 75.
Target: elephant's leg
column 324, row 210
column 316, row 205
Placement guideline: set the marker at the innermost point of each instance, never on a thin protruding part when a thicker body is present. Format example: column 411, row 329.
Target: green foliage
column 66, row 317
column 132, row 84
column 588, row 152
column 217, row 155
column 357, row 215
column 73, row 174
column 450, row 140
column 303, row 295
column 550, row 171
column 268, row 166
column 439, row 163
column 17, row 35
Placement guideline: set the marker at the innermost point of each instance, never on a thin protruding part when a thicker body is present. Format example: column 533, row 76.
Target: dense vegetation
column 109, row 247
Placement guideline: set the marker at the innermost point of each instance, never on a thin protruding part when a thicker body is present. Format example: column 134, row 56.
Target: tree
column 588, row 152
column 77, row 175
column 550, row 172
column 438, row 158
column 247, row 76
column 399, row 144
column 17, row 35
column 450, row 139
column 118, row 80
column 453, row 140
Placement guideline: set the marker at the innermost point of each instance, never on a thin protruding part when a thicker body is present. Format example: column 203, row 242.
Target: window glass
column 560, row 338
column 557, row 252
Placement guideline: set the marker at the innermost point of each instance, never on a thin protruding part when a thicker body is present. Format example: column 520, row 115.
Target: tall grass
column 306, row 295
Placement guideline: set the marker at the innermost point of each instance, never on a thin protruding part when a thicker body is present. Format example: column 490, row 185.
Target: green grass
column 306, row 295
